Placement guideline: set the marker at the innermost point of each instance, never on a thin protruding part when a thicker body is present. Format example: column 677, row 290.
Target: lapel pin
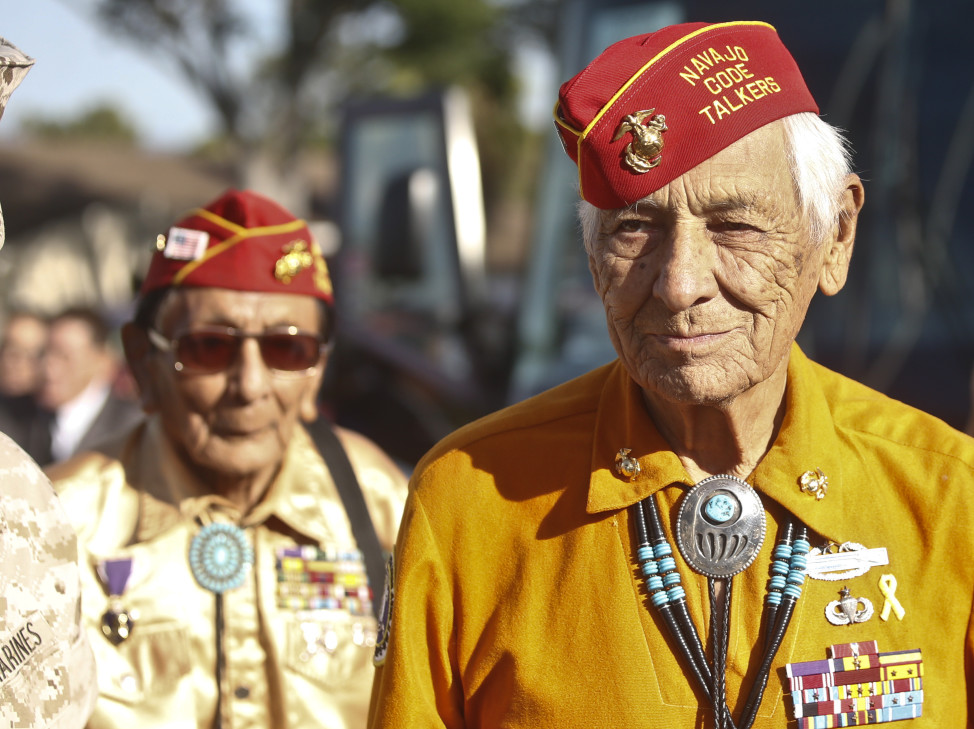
column 887, row 586
column 839, row 562
column 627, row 466
column 846, row 610
column 814, row 483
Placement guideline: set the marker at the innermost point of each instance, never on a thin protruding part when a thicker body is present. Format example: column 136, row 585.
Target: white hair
column 819, row 158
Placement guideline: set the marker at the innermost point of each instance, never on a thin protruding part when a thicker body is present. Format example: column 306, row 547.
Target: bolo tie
column 720, row 531
column 220, row 557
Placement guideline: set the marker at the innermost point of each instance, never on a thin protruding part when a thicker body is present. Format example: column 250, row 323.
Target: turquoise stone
column 719, row 508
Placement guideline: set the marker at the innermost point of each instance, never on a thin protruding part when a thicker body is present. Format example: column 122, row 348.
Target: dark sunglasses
column 209, row 350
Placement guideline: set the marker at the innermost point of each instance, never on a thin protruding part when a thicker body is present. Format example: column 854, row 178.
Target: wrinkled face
column 706, row 282
column 236, row 422
column 72, row 360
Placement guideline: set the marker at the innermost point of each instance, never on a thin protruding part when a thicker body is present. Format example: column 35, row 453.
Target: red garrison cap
column 652, row 107
column 241, row 241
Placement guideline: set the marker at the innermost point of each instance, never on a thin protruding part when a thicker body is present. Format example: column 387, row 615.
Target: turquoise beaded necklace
column 665, row 591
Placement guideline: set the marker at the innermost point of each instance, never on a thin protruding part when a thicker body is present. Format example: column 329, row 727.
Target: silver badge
column 846, row 610
column 839, row 562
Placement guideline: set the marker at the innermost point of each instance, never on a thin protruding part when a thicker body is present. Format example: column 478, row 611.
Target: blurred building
column 81, row 217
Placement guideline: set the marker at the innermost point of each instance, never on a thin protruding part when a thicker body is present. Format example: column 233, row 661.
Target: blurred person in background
column 229, row 552
column 24, row 337
column 76, row 405
column 47, row 670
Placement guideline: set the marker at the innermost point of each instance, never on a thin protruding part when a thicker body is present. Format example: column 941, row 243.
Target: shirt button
column 241, row 692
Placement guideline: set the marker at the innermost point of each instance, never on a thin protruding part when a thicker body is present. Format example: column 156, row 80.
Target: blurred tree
column 271, row 107
column 101, row 122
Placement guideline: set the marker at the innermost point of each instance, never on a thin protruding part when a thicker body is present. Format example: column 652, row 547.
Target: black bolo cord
column 657, row 596
column 790, row 594
column 719, row 629
column 779, row 574
column 221, row 660
column 665, row 592
column 676, row 599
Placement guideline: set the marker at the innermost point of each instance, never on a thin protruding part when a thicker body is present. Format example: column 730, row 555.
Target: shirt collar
column 622, row 421
column 299, row 494
column 172, row 491
column 807, row 440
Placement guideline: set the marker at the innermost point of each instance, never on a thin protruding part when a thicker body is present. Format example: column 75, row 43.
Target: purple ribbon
column 117, row 572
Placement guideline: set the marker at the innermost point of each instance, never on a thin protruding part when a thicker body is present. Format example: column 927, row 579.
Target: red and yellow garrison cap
column 241, row 241
column 654, row 106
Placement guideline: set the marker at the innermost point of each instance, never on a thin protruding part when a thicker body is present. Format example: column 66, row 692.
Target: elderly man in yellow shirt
column 712, row 530
column 228, row 551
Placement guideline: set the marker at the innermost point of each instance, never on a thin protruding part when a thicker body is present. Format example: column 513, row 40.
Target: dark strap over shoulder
column 358, row 513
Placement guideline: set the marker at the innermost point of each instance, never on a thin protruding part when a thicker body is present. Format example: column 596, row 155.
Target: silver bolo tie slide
column 720, row 526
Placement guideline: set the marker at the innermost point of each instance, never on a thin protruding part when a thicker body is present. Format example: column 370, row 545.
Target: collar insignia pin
column 626, row 466
column 815, row 483
column 645, row 151
column 846, row 610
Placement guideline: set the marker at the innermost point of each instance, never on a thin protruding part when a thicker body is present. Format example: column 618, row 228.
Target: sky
column 79, row 65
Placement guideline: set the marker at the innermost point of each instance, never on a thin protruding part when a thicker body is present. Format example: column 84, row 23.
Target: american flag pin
column 183, row 244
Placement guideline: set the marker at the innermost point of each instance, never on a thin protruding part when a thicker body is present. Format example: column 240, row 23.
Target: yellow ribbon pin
column 887, row 586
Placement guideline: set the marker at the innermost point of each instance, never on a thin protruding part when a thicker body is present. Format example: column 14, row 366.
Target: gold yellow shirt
column 288, row 663
column 517, row 601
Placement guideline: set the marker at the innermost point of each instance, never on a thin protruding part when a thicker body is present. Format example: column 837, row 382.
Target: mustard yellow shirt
column 517, row 601
column 288, row 664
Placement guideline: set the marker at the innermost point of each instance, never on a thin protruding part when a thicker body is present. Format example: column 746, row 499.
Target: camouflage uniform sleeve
column 47, row 671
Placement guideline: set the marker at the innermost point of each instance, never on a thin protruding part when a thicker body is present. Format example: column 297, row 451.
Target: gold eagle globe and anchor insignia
column 645, row 151
column 815, row 483
column 296, row 258
column 626, row 466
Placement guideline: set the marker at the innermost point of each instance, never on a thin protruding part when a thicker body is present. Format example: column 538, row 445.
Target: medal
column 116, row 622
column 220, row 556
column 857, row 685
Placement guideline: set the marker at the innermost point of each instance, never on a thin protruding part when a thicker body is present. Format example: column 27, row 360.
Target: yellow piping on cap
column 561, row 122
column 217, row 220
column 641, row 71
column 242, row 234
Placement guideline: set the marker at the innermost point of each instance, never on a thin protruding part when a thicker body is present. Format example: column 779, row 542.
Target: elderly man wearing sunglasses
column 229, row 552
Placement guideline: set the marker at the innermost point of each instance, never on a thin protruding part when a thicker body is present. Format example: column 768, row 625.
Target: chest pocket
column 324, row 598
column 330, row 647
column 152, row 666
column 147, row 667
